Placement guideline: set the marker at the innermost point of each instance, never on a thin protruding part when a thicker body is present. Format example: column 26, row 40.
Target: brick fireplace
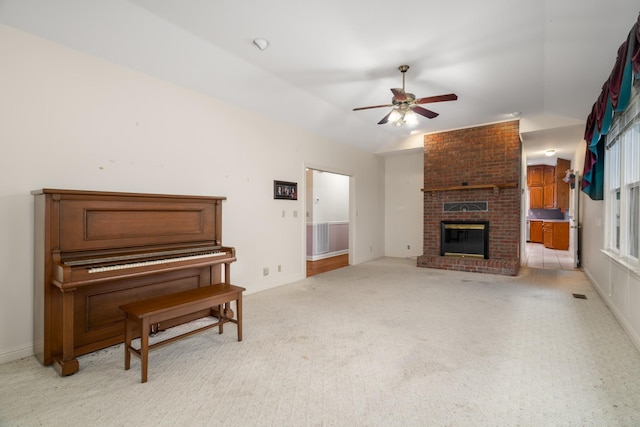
column 473, row 175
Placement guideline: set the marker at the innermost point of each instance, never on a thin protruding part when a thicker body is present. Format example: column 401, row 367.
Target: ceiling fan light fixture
column 403, row 115
column 410, row 118
column 395, row 116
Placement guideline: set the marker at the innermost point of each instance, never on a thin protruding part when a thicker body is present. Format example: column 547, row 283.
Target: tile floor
column 538, row 256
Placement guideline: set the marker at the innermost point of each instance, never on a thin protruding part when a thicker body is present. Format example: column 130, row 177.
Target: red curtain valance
column 614, row 97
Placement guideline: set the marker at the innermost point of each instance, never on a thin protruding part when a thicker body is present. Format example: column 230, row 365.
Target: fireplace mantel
column 495, row 187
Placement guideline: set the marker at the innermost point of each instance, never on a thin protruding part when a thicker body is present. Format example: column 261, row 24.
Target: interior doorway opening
column 551, row 220
column 327, row 221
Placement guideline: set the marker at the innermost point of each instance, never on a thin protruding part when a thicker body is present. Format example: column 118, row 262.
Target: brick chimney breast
column 480, row 164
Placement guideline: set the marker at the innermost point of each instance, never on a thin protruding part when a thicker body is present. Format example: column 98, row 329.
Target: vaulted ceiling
column 546, row 60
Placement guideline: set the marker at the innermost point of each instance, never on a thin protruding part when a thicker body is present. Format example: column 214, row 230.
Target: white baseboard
column 16, row 353
column 327, row 255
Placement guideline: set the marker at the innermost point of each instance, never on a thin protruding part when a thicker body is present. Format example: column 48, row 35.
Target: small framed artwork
column 285, row 190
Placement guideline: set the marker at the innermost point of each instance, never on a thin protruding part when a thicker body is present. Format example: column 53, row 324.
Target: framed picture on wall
column 285, row 190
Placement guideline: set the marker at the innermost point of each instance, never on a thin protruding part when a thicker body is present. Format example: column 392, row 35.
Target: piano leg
column 65, row 367
column 67, row 364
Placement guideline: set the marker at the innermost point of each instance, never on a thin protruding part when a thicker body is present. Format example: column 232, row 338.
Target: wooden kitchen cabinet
column 562, row 188
column 540, row 180
column 549, row 196
column 547, row 235
column 536, row 197
column 549, row 187
column 535, row 231
column 547, row 190
column 556, row 234
column 534, row 175
column 548, row 175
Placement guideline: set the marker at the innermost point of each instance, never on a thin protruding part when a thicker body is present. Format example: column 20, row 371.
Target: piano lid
column 99, row 221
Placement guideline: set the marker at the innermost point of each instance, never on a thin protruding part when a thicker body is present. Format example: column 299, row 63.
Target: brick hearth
column 480, row 164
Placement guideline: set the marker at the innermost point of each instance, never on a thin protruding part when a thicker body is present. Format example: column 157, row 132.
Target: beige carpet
column 378, row 344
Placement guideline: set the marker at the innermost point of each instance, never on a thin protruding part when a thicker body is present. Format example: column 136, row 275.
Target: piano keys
column 95, row 251
column 155, row 261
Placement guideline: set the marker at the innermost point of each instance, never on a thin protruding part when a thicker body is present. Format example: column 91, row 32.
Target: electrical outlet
column 265, row 271
column 279, row 268
column 408, row 247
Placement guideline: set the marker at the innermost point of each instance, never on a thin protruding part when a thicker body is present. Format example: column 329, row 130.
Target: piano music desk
column 143, row 314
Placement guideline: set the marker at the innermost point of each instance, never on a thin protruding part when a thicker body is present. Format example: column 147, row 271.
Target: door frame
column 352, row 216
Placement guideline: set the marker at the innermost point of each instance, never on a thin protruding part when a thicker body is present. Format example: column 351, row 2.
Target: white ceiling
column 544, row 59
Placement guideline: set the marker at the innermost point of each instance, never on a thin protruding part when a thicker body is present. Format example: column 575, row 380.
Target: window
column 631, row 184
column 622, row 195
column 612, row 166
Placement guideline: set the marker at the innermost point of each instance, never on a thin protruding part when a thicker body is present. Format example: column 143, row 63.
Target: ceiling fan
column 405, row 105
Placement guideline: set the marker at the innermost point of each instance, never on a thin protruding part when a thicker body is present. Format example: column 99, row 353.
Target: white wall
column 68, row 120
column 330, row 199
column 618, row 287
column 404, row 204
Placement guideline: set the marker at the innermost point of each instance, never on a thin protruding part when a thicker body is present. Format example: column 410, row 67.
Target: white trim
column 16, row 353
column 328, row 222
column 327, row 255
column 631, row 266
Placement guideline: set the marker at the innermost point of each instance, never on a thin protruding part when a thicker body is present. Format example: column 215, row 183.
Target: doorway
column 327, row 221
column 538, row 252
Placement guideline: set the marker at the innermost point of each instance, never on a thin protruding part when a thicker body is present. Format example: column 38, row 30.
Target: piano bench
column 143, row 314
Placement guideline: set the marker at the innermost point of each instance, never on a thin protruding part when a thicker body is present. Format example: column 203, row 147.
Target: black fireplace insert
column 464, row 239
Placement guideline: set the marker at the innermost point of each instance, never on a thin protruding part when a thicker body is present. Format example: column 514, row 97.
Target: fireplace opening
column 464, row 239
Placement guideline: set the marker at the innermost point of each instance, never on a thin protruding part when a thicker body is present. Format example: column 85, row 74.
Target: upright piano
column 95, row 251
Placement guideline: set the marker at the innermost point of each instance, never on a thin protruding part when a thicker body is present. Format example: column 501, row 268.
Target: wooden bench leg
column 220, row 315
column 144, row 348
column 128, row 336
column 239, row 310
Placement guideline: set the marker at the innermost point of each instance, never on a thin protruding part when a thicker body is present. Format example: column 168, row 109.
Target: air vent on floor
column 580, row 296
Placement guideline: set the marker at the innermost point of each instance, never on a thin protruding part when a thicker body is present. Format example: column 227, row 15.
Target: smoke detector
column 261, row 44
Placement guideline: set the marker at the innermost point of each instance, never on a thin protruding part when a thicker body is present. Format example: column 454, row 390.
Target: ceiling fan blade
column 424, row 112
column 399, row 94
column 385, row 119
column 373, row 106
column 437, row 98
